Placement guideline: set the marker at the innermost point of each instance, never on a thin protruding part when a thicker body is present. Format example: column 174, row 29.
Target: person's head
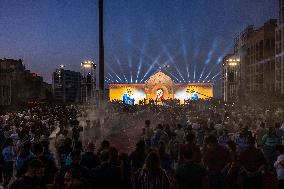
column 262, row 125
column 147, row 123
column 105, row 144
column 76, row 157
column 113, row 155
column 38, row 149
column 159, row 127
column 211, row 140
column 8, row 142
column 35, row 168
column 190, row 138
column 153, row 163
column 251, row 141
column 72, row 178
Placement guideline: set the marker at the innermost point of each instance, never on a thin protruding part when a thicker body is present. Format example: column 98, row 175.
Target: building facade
column 18, row 85
column 279, row 51
column 66, row 85
column 255, row 48
column 231, row 81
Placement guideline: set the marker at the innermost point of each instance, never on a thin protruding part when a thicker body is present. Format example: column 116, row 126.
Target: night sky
column 140, row 35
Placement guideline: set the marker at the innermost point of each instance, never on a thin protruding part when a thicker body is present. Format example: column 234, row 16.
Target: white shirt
column 279, row 168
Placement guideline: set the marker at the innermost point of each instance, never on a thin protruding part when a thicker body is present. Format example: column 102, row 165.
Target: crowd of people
column 202, row 144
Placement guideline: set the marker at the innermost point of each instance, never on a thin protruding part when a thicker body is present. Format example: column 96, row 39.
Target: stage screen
column 127, row 92
column 193, row 91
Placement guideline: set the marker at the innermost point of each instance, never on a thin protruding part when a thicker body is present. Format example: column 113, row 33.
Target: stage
column 159, row 87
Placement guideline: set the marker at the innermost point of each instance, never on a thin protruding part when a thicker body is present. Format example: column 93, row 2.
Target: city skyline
column 140, row 36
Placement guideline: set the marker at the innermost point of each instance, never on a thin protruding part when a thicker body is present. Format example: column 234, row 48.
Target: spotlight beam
column 119, row 63
column 185, row 59
column 113, row 72
column 171, row 59
column 216, row 75
column 152, row 66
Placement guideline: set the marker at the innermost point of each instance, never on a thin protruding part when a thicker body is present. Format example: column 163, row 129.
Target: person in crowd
column 189, row 174
column 270, row 141
column 223, row 137
column 75, row 164
column 90, row 159
column 152, row 175
column 190, row 144
column 107, row 175
column 252, row 164
column 165, row 158
column 64, row 150
column 160, row 135
column 137, row 157
column 50, row 168
column 241, row 140
column 8, row 157
column 148, row 133
column 104, row 147
column 32, row 179
column 234, row 168
column 125, row 168
column 216, row 158
column 24, row 156
column 73, row 180
column 279, row 165
column 179, row 134
column 260, row 132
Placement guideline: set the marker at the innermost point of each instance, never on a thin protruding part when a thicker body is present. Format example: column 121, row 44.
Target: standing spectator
column 148, row 133
column 73, row 180
column 252, row 163
column 50, row 168
column 270, row 141
column 104, row 147
column 125, row 169
column 89, row 159
column 137, row 158
column 75, row 164
column 8, row 157
column 216, row 158
column 32, row 177
column 152, row 175
column 241, row 140
column 260, row 132
column 22, row 159
column 166, row 159
column 190, row 174
column 190, row 144
column 107, row 175
column 279, row 166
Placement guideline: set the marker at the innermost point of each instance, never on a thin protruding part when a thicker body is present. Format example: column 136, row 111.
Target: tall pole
column 101, row 51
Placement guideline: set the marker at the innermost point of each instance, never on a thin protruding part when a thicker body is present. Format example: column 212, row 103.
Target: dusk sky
column 189, row 35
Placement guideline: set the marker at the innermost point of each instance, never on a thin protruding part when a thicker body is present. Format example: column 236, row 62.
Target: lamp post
column 101, row 52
